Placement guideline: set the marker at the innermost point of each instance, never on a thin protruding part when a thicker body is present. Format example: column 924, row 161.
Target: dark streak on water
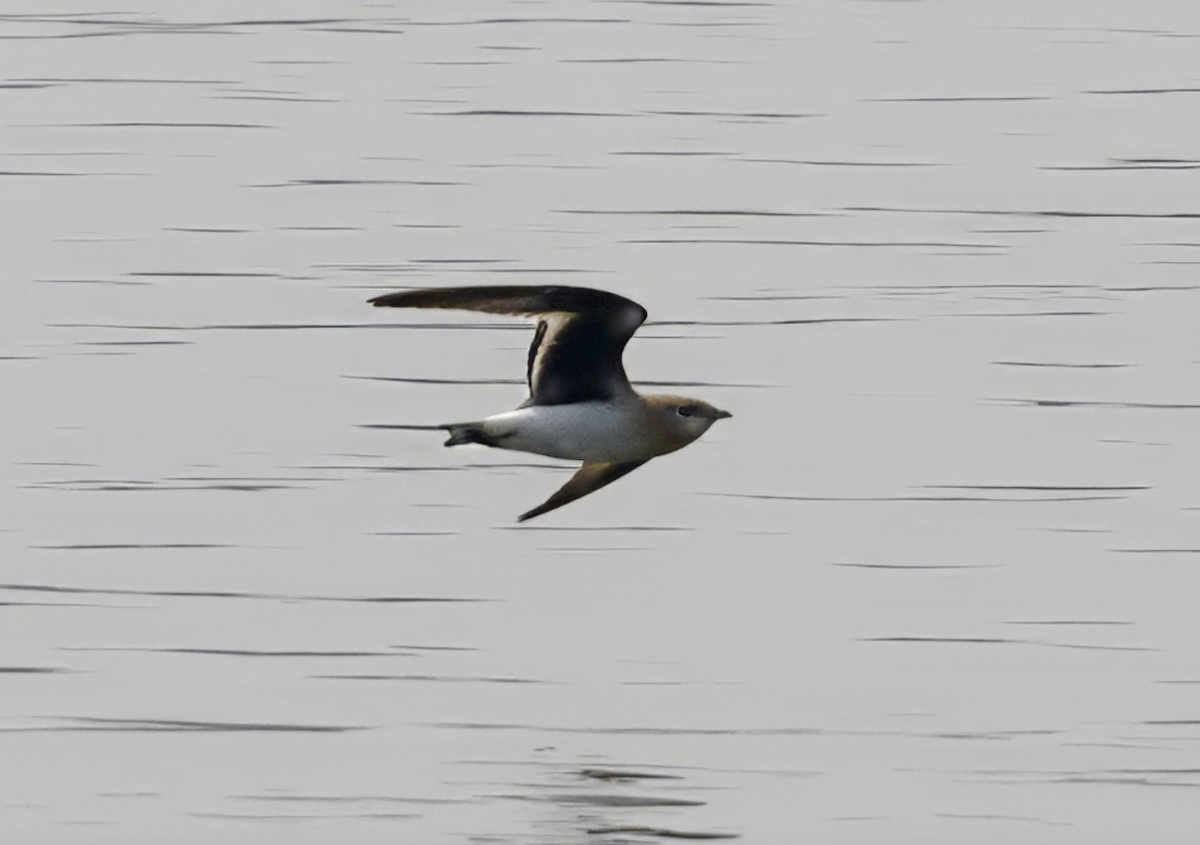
column 413, row 468
column 126, row 546
column 833, row 163
column 403, row 427
column 574, row 530
column 625, row 775
column 913, row 639
column 1068, row 622
column 632, row 731
column 123, row 80
column 148, row 125
column 414, row 380
column 1164, row 551
column 1079, row 403
column 513, row 382
column 800, row 321
column 333, row 183
column 354, row 799
column 297, row 326
column 1129, row 215
column 572, row 798
column 694, row 212
column 434, row 678
column 916, row 566
column 775, row 297
column 522, row 113
column 54, row 464
column 71, row 604
column 1054, row 488
column 228, row 594
column 1011, row 315
column 511, row 21
column 297, row 817
column 975, row 99
column 127, row 486
column 962, row 286
column 238, row 652
column 15, row 173
column 136, row 343
column 659, row 832
column 87, row 723
column 1177, row 90
column 276, row 99
column 1058, row 365
column 735, row 115
column 913, row 498
column 1003, row 641
column 997, row 817
column 799, row 242
column 204, row 274
column 1130, row 164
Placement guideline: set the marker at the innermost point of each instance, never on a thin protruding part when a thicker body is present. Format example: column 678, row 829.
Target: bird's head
column 684, row 420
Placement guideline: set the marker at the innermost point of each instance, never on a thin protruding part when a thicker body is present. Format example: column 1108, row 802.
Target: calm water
column 934, row 582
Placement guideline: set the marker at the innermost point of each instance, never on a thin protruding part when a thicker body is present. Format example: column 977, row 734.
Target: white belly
column 585, row 431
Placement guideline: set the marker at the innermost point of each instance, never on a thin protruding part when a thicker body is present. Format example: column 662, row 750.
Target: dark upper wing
column 588, row 479
column 581, row 333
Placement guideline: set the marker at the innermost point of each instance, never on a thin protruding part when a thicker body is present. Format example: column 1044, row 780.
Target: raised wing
column 589, row 478
column 576, row 351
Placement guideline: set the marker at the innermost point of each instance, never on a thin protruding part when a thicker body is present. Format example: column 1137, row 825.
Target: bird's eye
column 686, row 410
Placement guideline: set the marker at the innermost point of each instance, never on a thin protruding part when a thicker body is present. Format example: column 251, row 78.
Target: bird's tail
column 471, row 432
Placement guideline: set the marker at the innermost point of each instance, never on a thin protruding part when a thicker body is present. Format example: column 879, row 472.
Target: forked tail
column 471, row 432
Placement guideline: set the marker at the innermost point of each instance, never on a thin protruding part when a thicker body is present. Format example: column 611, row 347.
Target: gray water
column 934, row 582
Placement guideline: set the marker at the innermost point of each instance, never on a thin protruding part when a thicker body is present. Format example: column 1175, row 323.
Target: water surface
column 933, row 582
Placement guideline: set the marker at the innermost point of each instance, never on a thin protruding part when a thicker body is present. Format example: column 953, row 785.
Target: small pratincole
column 581, row 406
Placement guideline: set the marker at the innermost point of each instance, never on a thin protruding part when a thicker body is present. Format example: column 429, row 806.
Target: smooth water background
column 935, row 581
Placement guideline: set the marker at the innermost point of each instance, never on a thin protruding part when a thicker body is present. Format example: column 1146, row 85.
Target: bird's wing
column 590, row 478
column 576, row 351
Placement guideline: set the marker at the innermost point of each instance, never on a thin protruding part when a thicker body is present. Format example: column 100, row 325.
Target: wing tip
column 512, row 299
column 589, row 478
column 380, row 300
column 538, row 511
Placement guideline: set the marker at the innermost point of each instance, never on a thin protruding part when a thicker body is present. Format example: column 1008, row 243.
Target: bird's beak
column 721, row 415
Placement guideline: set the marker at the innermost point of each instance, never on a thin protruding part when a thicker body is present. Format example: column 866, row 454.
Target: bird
column 581, row 406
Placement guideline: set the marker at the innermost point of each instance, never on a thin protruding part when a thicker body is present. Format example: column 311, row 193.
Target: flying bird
column 581, row 406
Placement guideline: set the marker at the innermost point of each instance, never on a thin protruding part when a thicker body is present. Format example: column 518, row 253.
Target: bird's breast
column 600, row 432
